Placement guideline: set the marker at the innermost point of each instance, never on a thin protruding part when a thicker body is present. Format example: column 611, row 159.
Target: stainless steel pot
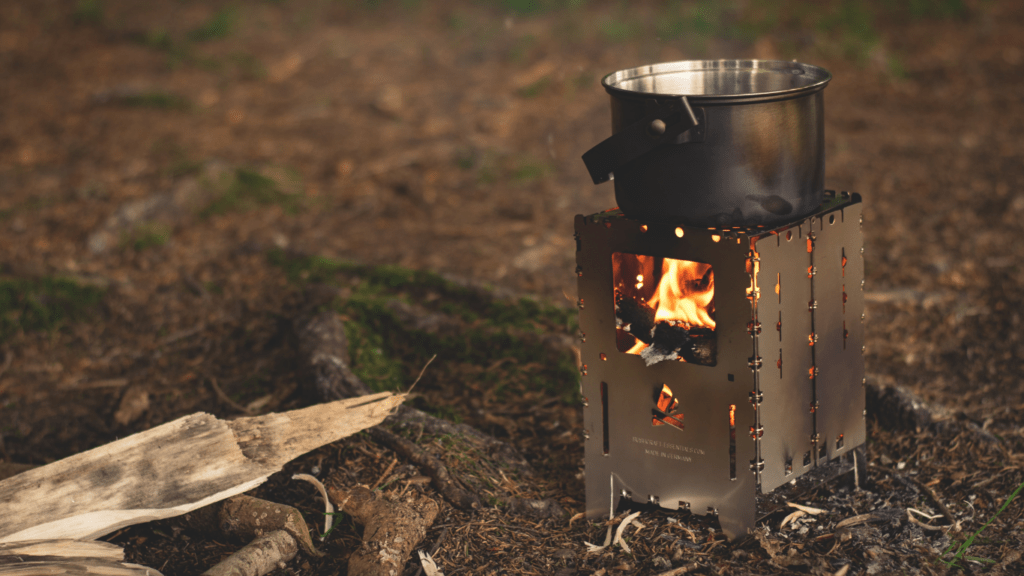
column 715, row 143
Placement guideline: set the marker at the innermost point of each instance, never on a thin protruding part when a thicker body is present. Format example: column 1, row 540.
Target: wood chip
column 807, row 509
column 857, row 520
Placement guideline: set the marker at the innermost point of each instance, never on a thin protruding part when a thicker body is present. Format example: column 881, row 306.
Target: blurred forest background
column 173, row 173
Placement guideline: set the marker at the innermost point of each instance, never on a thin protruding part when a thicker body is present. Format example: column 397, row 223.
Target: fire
column 664, row 304
column 666, row 404
column 686, row 294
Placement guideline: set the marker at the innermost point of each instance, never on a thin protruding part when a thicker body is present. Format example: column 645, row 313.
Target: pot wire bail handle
column 671, row 119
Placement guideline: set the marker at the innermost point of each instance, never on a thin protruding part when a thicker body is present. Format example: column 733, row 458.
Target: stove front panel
column 705, row 466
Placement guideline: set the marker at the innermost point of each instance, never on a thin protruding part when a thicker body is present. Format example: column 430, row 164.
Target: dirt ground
column 165, row 155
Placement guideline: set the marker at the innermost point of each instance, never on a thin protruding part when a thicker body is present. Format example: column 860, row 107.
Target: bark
column 261, row 556
column 391, row 529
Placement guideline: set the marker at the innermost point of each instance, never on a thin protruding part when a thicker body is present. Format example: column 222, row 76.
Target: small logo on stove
column 667, row 446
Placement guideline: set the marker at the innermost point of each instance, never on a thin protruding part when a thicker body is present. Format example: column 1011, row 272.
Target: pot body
column 756, row 157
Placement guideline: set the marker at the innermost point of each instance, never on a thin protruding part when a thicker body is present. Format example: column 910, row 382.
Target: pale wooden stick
column 172, row 469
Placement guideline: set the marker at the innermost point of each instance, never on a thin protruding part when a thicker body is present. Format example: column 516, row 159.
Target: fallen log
column 323, row 350
column 172, row 469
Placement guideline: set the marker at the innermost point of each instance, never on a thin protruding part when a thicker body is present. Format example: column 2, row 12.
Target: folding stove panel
column 693, row 450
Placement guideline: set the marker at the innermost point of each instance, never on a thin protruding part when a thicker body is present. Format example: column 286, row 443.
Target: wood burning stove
column 718, row 363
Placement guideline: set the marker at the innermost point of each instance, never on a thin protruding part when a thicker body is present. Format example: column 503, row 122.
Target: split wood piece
column 244, row 518
column 324, row 352
column 261, row 556
column 391, row 529
column 72, row 557
column 8, row 469
column 172, row 469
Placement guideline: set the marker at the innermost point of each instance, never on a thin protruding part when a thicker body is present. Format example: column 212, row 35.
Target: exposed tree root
column 391, row 529
column 261, row 556
column 323, row 349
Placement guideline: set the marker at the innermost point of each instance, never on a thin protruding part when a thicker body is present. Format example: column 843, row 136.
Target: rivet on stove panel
column 583, row 369
column 863, row 381
column 586, row 434
column 580, row 303
column 789, row 466
column 583, row 337
column 812, row 305
column 586, row 403
column 814, row 406
column 579, row 270
column 863, row 349
column 603, row 356
column 812, row 338
column 679, row 232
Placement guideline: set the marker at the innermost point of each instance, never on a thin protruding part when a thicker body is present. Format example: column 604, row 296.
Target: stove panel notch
column 728, row 361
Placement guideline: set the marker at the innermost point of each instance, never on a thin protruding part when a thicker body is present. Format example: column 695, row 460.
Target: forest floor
column 173, row 173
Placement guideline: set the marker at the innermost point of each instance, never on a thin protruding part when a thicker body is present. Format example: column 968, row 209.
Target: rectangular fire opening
column 664, row 308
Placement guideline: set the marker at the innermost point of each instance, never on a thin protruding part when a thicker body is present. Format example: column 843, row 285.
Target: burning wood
column 664, row 308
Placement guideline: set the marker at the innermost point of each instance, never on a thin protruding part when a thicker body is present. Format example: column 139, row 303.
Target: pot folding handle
column 662, row 126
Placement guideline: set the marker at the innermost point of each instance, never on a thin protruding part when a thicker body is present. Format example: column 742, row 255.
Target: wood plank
column 172, row 469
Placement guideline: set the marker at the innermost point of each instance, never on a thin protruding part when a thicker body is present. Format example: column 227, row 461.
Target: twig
column 924, row 526
column 935, row 499
column 430, row 465
column 421, row 373
column 328, row 507
column 385, row 474
column 433, row 549
column 225, row 399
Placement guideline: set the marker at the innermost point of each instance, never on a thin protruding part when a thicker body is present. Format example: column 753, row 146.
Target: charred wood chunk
column 635, row 318
column 694, row 345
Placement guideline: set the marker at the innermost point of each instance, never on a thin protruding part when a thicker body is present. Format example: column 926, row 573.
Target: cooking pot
column 715, row 142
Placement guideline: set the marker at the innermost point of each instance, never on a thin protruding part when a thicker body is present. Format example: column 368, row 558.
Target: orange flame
column 666, row 404
column 686, row 294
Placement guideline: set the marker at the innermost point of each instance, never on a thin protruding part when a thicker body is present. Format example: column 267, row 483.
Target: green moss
column 248, row 189
column 219, row 26
column 88, row 12
column 147, row 235
column 387, row 353
column 43, row 304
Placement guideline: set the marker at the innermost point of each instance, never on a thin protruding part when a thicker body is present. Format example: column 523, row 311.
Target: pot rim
column 817, row 77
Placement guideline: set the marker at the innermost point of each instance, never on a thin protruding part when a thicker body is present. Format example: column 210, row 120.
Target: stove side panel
column 783, row 343
column 838, row 319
